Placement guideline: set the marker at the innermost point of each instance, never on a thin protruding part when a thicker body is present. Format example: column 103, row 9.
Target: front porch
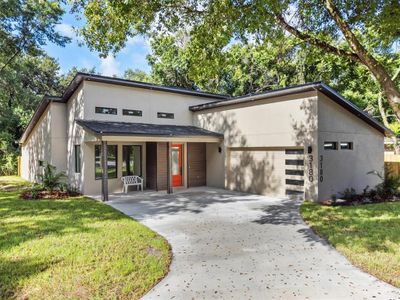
column 172, row 160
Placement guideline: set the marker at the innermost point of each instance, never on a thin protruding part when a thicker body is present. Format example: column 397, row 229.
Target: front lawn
column 368, row 235
column 74, row 248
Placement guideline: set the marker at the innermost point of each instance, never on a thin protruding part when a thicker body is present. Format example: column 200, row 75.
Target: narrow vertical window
column 77, row 152
column 112, row 159
column 131, row 160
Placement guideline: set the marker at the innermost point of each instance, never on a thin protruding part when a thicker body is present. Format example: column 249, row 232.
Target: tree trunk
column 387, row 84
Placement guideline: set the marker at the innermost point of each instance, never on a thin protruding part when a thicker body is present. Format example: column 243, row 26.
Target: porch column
column 104, row 167
column 169, row 173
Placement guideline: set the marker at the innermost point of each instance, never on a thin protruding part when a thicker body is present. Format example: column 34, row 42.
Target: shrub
column 51, row 179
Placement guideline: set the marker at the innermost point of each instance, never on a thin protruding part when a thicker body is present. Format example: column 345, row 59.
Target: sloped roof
column 143, row 129
column 313, row 86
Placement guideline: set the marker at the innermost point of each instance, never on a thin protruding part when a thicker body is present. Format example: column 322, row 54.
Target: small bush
column 51, row 179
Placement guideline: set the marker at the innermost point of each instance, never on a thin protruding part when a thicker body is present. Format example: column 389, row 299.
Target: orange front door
column 176, row 165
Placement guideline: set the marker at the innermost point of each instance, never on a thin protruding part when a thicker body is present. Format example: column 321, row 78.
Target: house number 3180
column 310, row 168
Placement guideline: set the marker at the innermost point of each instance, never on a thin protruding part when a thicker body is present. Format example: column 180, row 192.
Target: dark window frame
column 346, row 145
column 77, row 158
column 294, row 162
column 106, row 110
column 108, row 153
column 334, row 145
column 295, row 182
column 165, row 115
column 294, row 151
column 140, row 159
column 132, row 112
column 294, row 172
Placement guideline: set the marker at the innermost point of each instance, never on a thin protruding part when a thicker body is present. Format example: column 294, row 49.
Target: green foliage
column 389, row 187
column 50, row 178
column 137, row 75
column 395, row 127
column 75, row 248
column 368, row 235
column 194, row 43
column 26, row 72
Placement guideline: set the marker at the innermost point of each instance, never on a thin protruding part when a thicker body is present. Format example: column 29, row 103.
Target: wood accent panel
column 196, row 153
column 151, row 165
column 162, row 165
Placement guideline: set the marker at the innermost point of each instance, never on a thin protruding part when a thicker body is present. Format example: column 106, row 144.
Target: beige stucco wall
column 343, row 169
column 149, row 101
column 92, row 186
column 47, row 142
column 283, row 122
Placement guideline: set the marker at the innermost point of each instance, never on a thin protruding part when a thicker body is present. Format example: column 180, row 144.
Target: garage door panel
column 264, row 171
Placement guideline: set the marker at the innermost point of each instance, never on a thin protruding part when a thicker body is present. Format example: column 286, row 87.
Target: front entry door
column 176, row 165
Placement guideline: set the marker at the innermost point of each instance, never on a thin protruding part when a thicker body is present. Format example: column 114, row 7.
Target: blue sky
column 132, row 56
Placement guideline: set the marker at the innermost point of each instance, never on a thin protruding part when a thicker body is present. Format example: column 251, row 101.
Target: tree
column 363, row 32
column 22, row 85
column 137, row 75
column 26, row 26
column 26, row 72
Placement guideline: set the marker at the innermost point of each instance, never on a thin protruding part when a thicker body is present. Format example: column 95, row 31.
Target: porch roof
column 107, row 128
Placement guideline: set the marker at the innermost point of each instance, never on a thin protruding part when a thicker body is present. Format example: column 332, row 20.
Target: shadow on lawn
column 15, row 270
column 373, row 227
column 23, row 220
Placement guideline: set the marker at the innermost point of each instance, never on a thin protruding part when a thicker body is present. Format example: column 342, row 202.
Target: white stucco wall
column 283, row 122
column 342, row 169
column 47, row 143
column 82, row 106
column 148, row 101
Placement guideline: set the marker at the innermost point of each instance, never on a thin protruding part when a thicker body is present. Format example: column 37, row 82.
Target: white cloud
column 109, row 66
column 66, row 29
column 138, row 40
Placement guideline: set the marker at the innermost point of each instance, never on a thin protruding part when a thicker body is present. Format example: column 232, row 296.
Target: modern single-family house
column 303, row 140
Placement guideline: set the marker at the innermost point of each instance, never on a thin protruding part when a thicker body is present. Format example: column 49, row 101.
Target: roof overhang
column 314, row 86
column 80, row 77
column 136, row 132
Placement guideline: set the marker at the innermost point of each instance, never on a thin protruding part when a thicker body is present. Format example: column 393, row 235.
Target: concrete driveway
column 229, row 245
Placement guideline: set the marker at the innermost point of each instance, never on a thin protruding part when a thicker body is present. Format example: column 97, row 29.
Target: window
column 294, row 162
column 111, row 161
column 132, row 112
column 346, row 145
column 295, row 172
column 131, row 160
column 330, row 145
column 77, row 151
column 165, row 115
column 106, row 110
column 294, row 151
column 294, row 182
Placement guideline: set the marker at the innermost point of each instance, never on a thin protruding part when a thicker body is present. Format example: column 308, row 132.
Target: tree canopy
column 362, row 32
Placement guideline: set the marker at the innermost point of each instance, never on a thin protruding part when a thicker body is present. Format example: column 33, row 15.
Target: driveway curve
column 229, row 245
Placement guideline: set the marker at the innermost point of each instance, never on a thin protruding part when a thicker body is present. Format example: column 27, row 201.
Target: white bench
column 131, row 180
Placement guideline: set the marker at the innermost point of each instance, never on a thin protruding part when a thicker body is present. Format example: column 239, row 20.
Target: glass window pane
column 175, row 161
column 330, row 145
column 131, row 158
column 77, row 158
column 111, row 161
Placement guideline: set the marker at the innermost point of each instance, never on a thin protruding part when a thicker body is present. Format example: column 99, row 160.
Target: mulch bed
column 48, row 195
column 360, row 200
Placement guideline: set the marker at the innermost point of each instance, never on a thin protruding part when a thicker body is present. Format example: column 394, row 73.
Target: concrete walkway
column 229, row 245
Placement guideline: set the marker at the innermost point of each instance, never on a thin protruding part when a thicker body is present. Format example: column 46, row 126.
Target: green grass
column 75, row 248
column 368, row 235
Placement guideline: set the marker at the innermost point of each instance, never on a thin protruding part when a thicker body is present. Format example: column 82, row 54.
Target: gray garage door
column 266, row 171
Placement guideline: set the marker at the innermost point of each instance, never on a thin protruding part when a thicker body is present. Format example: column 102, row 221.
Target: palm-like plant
column 51, row 179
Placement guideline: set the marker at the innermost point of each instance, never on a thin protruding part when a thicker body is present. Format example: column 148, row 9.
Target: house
column 304, row 140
